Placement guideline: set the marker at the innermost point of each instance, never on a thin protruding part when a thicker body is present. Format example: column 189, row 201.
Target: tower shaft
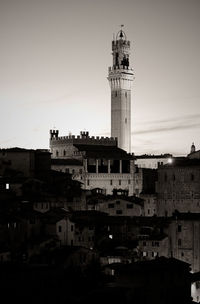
column 120, row 78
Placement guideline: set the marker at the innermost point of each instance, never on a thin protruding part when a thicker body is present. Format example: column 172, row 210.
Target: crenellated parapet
column 82, row 139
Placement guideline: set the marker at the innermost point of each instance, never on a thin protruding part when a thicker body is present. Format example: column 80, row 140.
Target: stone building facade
column 101, row 163
column 178, row 187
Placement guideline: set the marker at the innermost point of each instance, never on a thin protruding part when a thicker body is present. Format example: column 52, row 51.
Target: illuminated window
column 7, row 186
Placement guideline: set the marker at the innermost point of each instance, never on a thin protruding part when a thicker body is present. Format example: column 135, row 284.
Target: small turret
column 193, row 149
column 84, row 134
column 54, row 134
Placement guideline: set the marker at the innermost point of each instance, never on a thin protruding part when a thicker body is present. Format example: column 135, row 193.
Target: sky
column 54, row 64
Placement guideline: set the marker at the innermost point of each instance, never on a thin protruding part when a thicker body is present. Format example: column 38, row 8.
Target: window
column 179, row 228
column 111, row 182
column 73, row 171
column 117, row 202
column 110, row 205
column 145, row 253
column 129, row 206
column 72, row 227
column 88, row 182
column 64, row 153
column 7, row 186
column 129, row 181
column 116, row 94
column 120, row 182
column 67, row 170
column 173, row 177
column 125, row 120
column 57, row 153
column 192, row 177
column 126, row 94
column 59, row 228
column 148, row 211
column 182, row 254
column 119, row 211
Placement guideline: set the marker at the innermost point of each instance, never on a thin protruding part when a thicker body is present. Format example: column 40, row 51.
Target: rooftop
column 101, row 151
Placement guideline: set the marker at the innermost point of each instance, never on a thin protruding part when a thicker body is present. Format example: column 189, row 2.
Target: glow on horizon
column 54, row 64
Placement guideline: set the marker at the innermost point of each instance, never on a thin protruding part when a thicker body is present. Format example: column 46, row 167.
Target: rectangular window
column 179, row 228
column 7, row 186
column 117, row 202
column 129, row 181
column 129, row 206
column 110, row 205
column 111, row 182
column 120, row 182
column 88, row 182
column 59, row 228
column 72, row 227
column 119, row 211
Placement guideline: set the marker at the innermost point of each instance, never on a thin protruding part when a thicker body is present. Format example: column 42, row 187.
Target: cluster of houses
column 48, row 212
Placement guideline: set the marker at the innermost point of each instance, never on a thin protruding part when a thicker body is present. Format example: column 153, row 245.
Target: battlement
column 120, row 42
column 83, row 139
column 54, row 134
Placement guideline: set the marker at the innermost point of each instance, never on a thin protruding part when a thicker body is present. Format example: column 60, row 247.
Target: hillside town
column 87, row 221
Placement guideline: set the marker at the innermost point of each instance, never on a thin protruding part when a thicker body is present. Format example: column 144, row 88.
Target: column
column 109, row 166
column 120, row 166
column 85, row 165
column 97, row 165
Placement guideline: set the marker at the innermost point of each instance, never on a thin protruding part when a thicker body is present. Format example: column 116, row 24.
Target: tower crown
column 121, row 51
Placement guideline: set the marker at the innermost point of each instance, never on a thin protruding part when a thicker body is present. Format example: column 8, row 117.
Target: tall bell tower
column 120, row 77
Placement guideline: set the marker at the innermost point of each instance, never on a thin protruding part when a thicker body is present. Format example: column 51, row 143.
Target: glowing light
column 170, row 160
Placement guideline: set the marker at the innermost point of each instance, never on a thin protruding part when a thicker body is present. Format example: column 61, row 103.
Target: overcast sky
column 54, row 64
